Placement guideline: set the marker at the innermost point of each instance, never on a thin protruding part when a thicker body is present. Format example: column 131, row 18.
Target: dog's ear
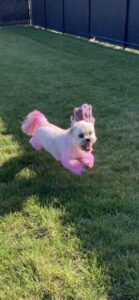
column 84, row 112
column 77, row 115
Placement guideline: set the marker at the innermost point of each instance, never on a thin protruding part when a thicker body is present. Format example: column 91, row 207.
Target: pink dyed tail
column 32, row 121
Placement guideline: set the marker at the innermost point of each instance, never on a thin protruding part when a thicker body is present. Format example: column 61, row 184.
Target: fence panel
column 133, row 24
column 108, row 18
column 54, row 14
column 76, row 15
column 38, row 13
column 14, row 12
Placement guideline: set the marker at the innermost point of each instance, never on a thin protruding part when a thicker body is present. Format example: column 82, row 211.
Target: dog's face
column 83, row 135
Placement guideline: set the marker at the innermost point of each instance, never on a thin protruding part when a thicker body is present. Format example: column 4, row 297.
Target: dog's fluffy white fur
column 72, row 147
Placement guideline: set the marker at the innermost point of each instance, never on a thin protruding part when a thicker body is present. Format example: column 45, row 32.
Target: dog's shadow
column 34, row 174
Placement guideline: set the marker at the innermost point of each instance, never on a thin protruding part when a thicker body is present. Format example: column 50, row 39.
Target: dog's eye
column 81, row 135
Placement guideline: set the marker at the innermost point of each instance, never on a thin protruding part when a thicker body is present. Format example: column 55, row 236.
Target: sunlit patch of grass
column 43, row 257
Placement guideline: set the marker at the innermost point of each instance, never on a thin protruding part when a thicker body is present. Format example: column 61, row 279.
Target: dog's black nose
column 88, row 140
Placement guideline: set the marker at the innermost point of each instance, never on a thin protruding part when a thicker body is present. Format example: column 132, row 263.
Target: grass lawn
column 64, row 236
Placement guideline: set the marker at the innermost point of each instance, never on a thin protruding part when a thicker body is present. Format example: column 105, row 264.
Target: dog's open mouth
column 86, row 147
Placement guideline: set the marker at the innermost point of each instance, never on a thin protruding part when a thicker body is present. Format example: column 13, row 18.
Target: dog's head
column 83, row 135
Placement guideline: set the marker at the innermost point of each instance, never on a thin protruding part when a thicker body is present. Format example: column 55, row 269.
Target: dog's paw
column 78, row 169
column 73, row 165
column 88, row 160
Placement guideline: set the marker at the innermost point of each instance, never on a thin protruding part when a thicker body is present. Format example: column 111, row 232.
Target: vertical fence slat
column 132, row 36
column 54, row 14
column 77, row 17
column 38, row 13
column 89, row 18
column 63, row 11
column 126, row 22
column 108, row 20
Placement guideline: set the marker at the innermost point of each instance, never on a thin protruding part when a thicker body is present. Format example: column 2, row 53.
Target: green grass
column 64, row 236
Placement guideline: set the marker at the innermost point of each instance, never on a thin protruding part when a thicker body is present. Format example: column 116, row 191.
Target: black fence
column 114, row 21
column 13, row 12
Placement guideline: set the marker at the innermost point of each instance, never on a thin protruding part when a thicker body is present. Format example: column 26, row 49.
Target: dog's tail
column 32, row 121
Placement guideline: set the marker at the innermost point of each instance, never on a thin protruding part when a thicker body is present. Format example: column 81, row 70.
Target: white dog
column 73, row 146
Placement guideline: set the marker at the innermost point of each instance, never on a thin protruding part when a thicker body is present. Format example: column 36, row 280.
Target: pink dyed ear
column 83, row 112
column 78, row 114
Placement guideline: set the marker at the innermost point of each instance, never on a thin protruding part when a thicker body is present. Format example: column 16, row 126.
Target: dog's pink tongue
column 86, row 147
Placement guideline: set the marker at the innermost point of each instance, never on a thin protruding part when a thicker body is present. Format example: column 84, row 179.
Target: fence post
column 126, row 23
column 89, row 19
column 30, row 11
column 63, row 7
column 45, row 13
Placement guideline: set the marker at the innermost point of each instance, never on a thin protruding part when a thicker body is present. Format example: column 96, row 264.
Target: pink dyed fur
column 79, row 166
column 34, row 144
column 74, row 165
column 84, row 112
column 32, row 122
column 88, row 159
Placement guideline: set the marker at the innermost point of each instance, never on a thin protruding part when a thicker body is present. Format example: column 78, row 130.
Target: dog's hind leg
column 34, row 144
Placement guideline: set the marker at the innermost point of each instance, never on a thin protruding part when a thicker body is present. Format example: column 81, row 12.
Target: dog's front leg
column 73, row 165
column 87, row 159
